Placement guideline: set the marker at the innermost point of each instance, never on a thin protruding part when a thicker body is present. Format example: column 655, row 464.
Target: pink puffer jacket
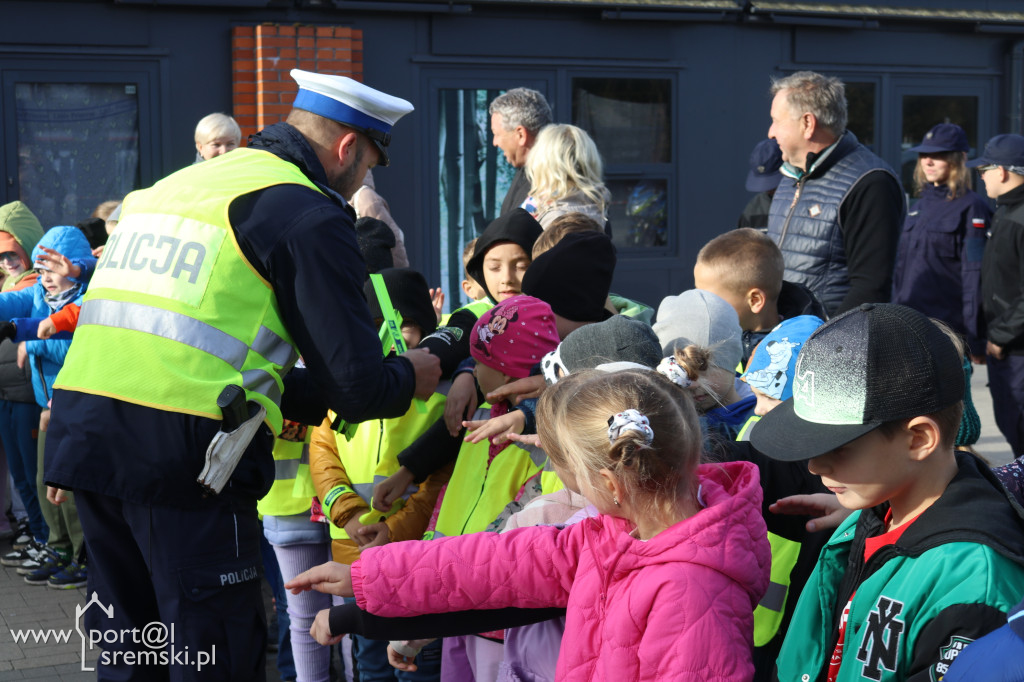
column 677, row 607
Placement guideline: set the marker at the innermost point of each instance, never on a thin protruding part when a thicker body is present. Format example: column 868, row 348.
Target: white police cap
column 351, row 103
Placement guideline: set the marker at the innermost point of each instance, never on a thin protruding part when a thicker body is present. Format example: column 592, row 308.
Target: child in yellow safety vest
column 346, row 465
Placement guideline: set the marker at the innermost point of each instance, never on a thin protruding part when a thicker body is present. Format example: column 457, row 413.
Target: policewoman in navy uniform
column 219, row 275
column 938, row 265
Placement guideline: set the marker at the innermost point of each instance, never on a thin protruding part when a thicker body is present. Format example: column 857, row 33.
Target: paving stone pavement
column 25, row 607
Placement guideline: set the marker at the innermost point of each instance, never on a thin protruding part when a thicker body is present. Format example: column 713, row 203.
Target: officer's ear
column 348, row 145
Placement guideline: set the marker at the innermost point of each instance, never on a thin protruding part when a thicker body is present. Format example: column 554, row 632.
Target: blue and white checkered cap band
column 337, row 111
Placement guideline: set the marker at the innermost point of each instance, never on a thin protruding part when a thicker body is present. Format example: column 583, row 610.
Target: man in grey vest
column 837, row 213
column 516, row 118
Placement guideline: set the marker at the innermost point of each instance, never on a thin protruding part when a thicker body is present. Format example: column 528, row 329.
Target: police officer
column 1001, row 168
column 220, row 274
column 938, row 265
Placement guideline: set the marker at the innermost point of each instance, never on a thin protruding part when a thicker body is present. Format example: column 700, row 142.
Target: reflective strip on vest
column 166, row 324
column 769, row 612
column 287, row 469
column 199, row 335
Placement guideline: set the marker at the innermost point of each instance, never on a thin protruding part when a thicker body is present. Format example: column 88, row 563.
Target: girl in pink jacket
column 660, row 586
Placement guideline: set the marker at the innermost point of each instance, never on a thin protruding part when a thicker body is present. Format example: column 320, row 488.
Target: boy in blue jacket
column 61, row 567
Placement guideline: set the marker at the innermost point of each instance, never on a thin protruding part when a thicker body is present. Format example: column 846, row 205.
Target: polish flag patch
column 978, row 223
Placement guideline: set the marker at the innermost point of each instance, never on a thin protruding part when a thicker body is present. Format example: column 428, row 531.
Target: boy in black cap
column 933, row 558
column 1001, row 167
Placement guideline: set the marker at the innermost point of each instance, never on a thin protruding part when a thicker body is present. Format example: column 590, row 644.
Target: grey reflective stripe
column 537, row 456
column 364, row 490
column 261, row 381
column 165, row 324
column 271, row 346
column 774, row 598
column 286, row 469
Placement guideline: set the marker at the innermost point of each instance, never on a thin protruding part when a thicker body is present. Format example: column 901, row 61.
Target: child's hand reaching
column 518, row 390
column 375, row 535
column 57, row 263
column 390, row 489
column 497, row 429
column 461, row 402
column 437, row 300
column 531, row 439
column 321, row 630
column 354, row 527
column 824, row 507
column 400, row 662
column 330, row 578
column 46, row 329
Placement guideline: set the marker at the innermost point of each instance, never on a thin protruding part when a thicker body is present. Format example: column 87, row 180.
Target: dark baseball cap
column 877, row 363
column 765, row 162
column 1001, row 150
column 945, row 137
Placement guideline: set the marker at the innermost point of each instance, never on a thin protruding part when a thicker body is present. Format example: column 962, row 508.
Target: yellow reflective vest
column 481, row 487
column 174, row 292
column 772, row 607
column 292, row 491
column 370, row 455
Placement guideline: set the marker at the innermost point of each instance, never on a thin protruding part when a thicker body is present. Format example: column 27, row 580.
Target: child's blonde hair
column 564, row 160
column 570, row 223
column 217, row 125
column 573, row 419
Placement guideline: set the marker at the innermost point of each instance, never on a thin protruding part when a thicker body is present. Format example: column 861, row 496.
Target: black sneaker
column 23, row 536
column 33, row 551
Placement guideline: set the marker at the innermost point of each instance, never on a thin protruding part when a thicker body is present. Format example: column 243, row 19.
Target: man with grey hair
column 837, row 213
column 516, row 118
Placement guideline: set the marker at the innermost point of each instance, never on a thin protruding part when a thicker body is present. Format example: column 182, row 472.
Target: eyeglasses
column 985, row 169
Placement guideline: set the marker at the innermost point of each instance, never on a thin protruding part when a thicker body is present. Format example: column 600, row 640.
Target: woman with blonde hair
column 938, row 265
column 566, row 175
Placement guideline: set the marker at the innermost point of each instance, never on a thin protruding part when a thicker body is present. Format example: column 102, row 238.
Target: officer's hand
column 994, row 350
column 461, row 402
column 22, row 355
column 353, row 527
column 8, row 330
column 978, row 359
column 330, row 578
column 375, row 535
column 391, row 488
column 321, row 630
column 515, row 392
column 428, row 371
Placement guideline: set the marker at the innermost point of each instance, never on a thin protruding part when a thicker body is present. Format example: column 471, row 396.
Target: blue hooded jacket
column 47, row 357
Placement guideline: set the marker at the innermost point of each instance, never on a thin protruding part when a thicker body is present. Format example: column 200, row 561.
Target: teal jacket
column 949, row 579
